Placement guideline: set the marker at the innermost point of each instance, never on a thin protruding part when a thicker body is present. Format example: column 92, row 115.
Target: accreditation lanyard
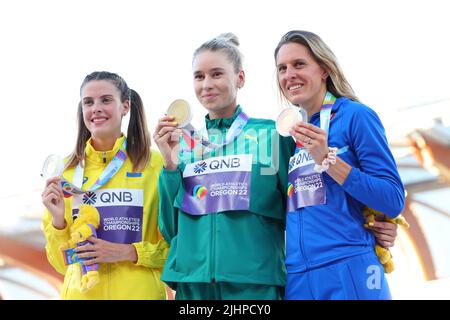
column 325, row 116
column 305, row 186
column 111, row 169
column 198, row 142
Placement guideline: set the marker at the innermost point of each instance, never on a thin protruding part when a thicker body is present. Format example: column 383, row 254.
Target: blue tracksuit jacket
column 321, row 235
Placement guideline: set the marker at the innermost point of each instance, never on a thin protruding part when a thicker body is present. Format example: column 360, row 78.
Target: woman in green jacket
column 222, row 205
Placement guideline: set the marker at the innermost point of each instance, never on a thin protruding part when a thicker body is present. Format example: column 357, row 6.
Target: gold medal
column 181, row 111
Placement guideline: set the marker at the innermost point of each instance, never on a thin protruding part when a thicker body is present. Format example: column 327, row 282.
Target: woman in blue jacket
column 342, row 163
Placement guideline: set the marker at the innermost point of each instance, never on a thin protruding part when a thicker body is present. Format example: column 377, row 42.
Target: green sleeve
column 286, row 150
column 169, row 184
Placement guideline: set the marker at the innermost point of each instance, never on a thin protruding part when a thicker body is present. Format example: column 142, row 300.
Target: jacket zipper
column 213, row 234
column 68, row 283
column 109, row 281
column 213, row 247
column 302, row 247
column 104, row 157
column 213, row 229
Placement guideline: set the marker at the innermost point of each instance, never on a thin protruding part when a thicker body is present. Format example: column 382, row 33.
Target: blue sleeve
column 375, row 182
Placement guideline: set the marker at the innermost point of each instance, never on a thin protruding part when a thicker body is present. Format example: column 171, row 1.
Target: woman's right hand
column 167, row 138
column 53, row 200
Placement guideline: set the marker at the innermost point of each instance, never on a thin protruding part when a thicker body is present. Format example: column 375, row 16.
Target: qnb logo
column 225, row 163
column 291, row 164
column 89, row 198
column 303, row 157
column 116, row 197
column 200, row 167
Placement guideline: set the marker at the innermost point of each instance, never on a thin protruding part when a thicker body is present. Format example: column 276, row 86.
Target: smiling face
column 301, row 79
column 216, row 83
column 103, row 109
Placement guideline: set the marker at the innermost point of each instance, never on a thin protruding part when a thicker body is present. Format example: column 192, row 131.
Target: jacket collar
column 93, row 155
column 222, row 122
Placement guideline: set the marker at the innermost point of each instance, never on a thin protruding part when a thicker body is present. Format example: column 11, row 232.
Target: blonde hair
column 336, row 83
column 229, row 43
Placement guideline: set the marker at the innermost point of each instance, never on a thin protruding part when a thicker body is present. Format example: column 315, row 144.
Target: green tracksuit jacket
column 231, row 246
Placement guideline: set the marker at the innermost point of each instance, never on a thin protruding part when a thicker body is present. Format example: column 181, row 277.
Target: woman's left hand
column 99, row 251
column 313, row 139
column 385, row 233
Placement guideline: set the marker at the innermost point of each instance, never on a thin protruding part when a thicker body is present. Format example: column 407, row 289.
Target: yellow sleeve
column 54, row 239
column 151, row 255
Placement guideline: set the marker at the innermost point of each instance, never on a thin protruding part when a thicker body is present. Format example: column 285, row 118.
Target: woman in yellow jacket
column 120, row 176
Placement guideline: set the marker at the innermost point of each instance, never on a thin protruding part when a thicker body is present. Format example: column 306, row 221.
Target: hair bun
column 229, row 37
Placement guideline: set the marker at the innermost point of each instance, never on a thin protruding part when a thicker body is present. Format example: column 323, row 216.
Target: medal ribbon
column 198, row 141
column 325, row 116
column 111, row 169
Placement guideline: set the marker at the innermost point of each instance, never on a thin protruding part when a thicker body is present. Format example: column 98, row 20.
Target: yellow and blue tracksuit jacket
column 120, row 280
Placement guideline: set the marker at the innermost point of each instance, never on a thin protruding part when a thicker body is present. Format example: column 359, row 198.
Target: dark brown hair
column 138, row 138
